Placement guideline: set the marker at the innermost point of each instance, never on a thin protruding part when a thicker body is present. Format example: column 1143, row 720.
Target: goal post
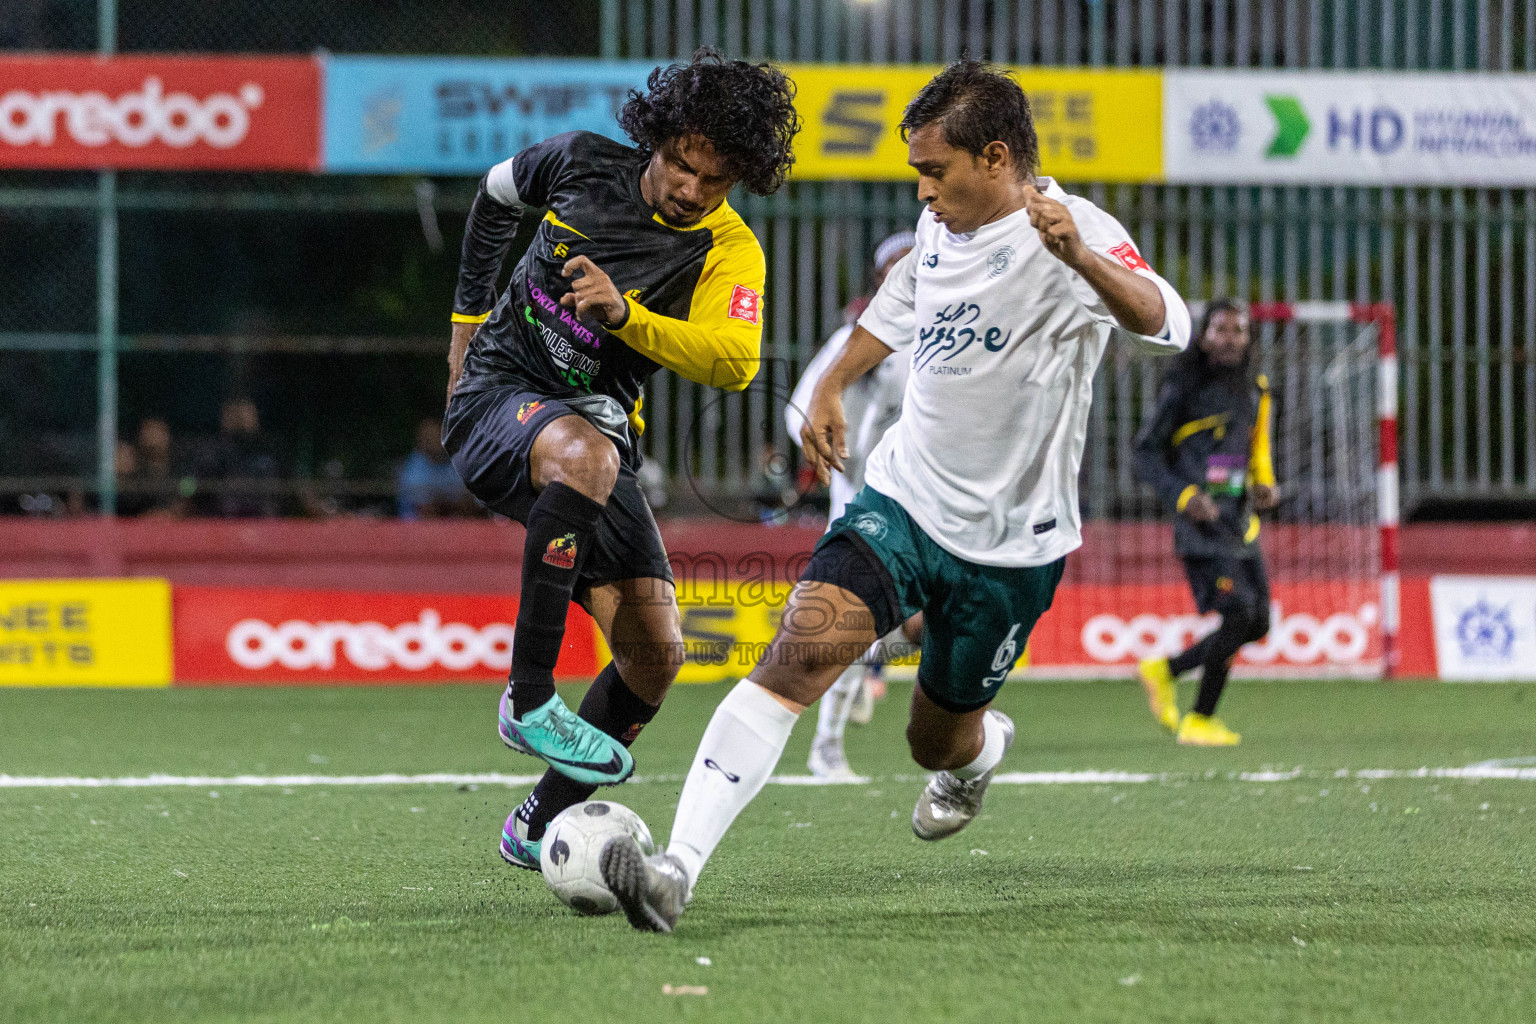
column 1330, row 546
column 1379, row 318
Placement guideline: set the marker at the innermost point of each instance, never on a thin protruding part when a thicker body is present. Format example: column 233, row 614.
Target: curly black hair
column 746, row 111
column 977, row 103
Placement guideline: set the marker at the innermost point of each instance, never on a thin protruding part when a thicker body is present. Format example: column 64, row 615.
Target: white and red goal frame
column 1382, row 316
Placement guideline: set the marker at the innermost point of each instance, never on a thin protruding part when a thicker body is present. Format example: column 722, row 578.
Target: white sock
column 739, row 750
column 832, row 715
column 991, row 751
column 892, row 647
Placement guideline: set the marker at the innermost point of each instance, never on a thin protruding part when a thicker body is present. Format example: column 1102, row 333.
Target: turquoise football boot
column 554, row 734
column 517, row 850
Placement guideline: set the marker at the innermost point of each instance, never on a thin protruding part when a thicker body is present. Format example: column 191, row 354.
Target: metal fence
column 1459, row 264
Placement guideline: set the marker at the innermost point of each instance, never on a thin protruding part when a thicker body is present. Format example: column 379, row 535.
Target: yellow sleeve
column 720, row 344
column 1261, row 470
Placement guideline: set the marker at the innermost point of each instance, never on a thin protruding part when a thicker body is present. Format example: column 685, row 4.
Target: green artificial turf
column 1202, row 897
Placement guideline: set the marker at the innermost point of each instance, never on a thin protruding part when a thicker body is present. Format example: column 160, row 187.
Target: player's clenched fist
column 593, row 294
column 1058, row 231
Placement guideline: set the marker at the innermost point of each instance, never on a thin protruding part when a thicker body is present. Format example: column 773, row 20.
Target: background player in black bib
column 1206, row 452
column 638, row 264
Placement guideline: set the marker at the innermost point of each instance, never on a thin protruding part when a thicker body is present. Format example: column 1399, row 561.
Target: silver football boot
column 652, row 891
column 948, row 804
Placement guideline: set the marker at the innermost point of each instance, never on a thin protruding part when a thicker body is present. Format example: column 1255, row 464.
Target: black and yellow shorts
column 489, row 435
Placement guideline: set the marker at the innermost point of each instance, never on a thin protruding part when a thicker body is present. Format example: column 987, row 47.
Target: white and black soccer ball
column 571, row 847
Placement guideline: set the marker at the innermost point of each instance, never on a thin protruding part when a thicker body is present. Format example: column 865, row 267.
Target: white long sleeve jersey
column 1003, row 340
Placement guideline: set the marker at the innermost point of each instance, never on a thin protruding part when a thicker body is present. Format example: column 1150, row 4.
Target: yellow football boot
column 1200, row 731
column 1162, row 691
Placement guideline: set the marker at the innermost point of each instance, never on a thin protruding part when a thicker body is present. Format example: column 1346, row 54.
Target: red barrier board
column 166, row 113
column 226, row 635
column 1321, row 627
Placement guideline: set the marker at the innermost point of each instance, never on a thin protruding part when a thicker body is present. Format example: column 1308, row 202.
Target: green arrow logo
column 1291, row 122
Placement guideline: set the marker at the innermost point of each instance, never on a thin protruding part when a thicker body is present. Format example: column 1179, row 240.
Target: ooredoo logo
column 1297, row 638
column 136, row 118
column 371, row 646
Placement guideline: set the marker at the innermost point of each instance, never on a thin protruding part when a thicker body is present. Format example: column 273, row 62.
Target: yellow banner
column 85, row 633
column 728, row 625
column 1093, row 125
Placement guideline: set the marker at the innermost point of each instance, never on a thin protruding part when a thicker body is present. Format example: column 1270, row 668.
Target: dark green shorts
column 977, row 618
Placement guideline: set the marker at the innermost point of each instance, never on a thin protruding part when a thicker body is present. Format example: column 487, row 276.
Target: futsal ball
column 574, row 842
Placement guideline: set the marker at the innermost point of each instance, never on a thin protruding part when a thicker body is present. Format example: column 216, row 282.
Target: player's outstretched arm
column 1134, row 300
column 824, row 436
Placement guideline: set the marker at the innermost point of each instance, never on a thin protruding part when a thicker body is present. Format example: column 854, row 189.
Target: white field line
column 1475, row 771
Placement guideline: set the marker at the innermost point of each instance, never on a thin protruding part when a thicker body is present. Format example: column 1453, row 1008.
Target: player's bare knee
column 587, row 463
column 650, row 672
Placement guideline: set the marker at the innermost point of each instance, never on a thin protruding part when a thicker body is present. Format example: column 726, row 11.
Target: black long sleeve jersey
column 694, row 294
column 1209, row 432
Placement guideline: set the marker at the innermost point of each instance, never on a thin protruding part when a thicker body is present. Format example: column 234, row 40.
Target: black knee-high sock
column 1237, row 628
column 615, row 709
column 560, row 528
column 1192, row 657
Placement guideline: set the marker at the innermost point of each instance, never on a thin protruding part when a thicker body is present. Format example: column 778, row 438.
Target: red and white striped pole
column 1385, row 318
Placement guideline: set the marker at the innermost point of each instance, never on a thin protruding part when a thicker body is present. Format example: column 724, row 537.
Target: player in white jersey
column 871, row 405
column 970, row 501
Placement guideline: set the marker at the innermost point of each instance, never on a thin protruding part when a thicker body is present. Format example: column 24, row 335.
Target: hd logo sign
column 85, row 633
column 1093, row 125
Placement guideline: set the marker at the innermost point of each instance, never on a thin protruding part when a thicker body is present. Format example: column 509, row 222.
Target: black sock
column 1237, row 628
column 1190, row 659
column 560, row 528
column 615, row 709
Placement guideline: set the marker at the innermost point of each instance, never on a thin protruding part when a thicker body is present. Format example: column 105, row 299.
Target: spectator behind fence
column 427, row 486
column 237, row 463
column 146, row 477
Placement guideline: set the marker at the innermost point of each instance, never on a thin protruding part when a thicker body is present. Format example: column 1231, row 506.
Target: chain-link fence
column 323, row 298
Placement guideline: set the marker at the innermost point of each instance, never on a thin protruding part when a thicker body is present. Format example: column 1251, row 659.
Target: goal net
column 1333, row 608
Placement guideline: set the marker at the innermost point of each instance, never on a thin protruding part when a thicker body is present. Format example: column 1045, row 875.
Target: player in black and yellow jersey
column 638, row 264
column 1206, row 452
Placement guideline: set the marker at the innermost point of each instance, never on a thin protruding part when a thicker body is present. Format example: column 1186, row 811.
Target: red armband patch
column 1126, row 253
column 746, row 305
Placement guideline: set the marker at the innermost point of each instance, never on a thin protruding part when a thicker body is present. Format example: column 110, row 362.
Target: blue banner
column 429, row 115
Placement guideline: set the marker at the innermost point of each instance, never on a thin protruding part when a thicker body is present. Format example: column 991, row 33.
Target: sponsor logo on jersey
column 561, row 552
column 746, row 305
column 931, row 260
column 527, row 409
column 1000, row 260
column 1126, row 253
column 870, row 524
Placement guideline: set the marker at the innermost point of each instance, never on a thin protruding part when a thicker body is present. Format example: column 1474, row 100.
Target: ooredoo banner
column 1321, row 628
column 1347, row 128
column 265, row 636
column 169, row 113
